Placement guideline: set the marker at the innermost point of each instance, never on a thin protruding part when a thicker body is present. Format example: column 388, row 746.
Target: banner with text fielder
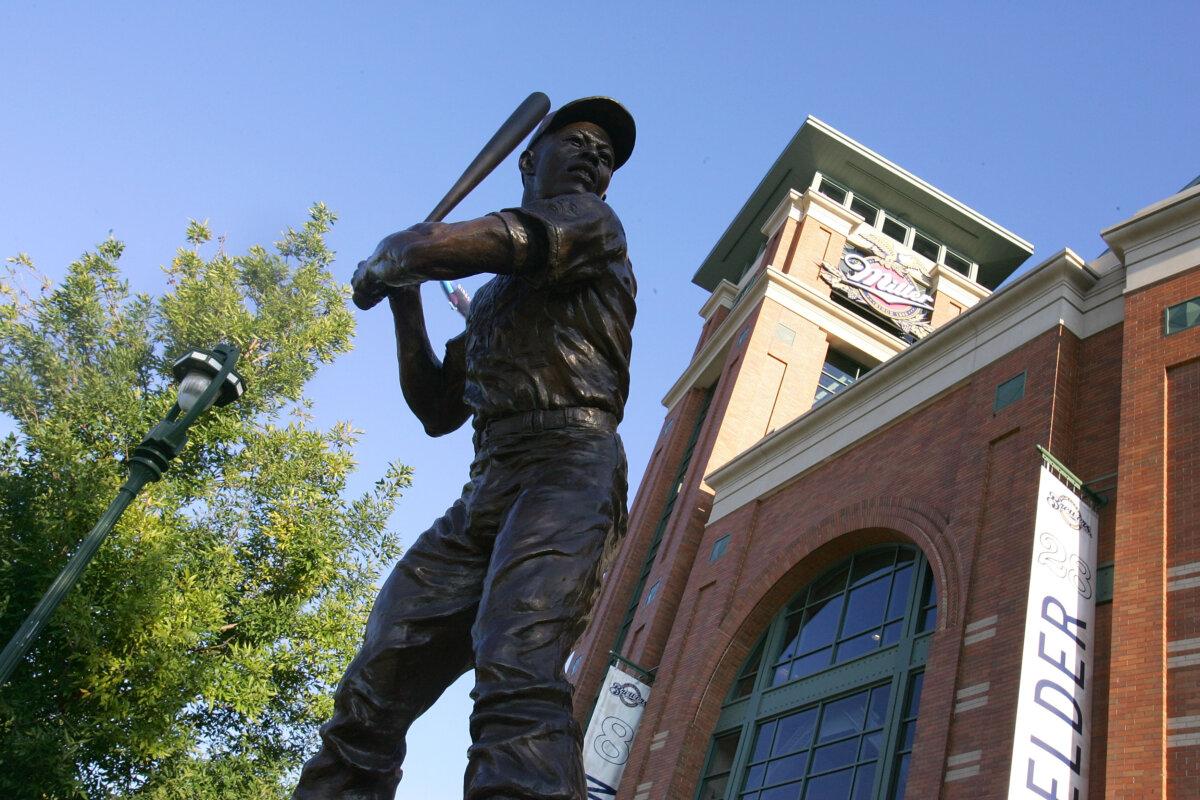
column 610, row 733
column 1054, row 706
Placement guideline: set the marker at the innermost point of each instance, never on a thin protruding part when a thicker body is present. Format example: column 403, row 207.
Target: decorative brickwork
column 1148, row 537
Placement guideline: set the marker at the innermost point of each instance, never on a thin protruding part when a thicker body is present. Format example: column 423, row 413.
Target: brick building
column 837, row 519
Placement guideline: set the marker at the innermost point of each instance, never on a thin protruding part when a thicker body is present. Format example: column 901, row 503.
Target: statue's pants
column 503, row 582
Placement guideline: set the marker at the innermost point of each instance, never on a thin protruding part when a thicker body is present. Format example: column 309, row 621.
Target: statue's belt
column 538, row 421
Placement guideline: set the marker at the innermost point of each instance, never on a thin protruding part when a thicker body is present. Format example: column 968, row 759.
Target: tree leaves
column 198, row 653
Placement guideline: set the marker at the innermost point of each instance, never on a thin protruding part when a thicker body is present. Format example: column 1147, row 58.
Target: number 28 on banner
column 613, row 742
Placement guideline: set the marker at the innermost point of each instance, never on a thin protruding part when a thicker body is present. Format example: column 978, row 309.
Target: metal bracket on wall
column 1098, row 501
column 648, row 674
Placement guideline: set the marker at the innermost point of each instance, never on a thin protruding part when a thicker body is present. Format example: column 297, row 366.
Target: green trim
column 620, row 659
column 719, row 547
column 896, row 665
column 1070, row 477
column 659, row 530
column 1009, row 392
column 1183, row 324
column 1105, row 575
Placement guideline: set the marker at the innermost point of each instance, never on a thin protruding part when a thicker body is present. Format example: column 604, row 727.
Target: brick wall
column 1142, row 715
column 619, row 582
column 953, row 477
column 1093, row 455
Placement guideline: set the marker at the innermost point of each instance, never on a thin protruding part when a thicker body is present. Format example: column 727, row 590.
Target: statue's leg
column 417, row 643
column 569, row 495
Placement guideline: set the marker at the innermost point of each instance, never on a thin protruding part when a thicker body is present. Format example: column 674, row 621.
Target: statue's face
column 574, row 159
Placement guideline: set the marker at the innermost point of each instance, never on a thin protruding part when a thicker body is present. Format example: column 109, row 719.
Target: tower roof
column 819, row 147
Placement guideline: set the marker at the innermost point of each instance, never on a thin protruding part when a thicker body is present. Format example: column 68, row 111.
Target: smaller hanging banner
column 1054, row 706
column 610, row 733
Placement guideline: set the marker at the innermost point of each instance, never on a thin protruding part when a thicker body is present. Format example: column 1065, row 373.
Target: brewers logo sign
column 880, row 280
column 627, row 693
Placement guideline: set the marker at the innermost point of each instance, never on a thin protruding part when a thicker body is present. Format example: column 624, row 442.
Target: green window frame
column 1181, row 316
column 831, row 190
column 664, row 518
column 843, row 729
column 957, row 263
column 653, row 592
column 837, row 373
column 719, row 547
column 1009, row 392
column 865, row 209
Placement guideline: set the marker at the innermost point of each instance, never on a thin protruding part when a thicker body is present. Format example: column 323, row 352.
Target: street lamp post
column 205, row 379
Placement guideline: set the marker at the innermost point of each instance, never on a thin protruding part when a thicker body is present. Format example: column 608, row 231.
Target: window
column 838, row 372
column 716, row 776
column 844, row 728
column 864, row 209
column 653, row 593
column 1104, row 582
column 1183, row 316
column 831, row 190
column 923, row 245
column 958, row 263
column 908, row 731
column 833, row 747
column 894, row 229
column 851, row 612
column 749, row 673
column 1009, row 392
column 719, row 547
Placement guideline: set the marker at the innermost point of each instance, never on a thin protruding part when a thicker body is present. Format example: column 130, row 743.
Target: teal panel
column 1104, row 583
column 1009, row 392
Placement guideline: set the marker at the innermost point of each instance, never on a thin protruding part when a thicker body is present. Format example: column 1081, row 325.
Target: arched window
column 826, row 706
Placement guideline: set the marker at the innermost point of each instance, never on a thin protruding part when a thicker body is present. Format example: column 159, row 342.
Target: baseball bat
column 520, row 124
column 514, row 130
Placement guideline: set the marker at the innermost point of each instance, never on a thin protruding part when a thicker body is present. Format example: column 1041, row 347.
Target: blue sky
column 1055, row 120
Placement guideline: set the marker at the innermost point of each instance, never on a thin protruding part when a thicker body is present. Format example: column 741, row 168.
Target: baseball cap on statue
column 610, row 115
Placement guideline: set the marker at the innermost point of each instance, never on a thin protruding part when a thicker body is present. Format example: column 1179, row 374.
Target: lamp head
column 195, row 370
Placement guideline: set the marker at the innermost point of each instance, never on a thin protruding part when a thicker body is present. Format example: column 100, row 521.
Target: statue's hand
column 368, row 291
column 384, row 270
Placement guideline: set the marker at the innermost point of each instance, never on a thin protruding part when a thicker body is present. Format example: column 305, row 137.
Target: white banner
column 610, row 733
column 1054, row 707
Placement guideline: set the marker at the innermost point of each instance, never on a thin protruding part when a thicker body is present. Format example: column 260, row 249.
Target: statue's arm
column 433, row 389
column 442, row 251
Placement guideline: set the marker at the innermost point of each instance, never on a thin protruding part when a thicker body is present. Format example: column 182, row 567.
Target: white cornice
column 722, row 296
column 904, row 174
column 1159, row 241
column 1061, row 290
column 796, row 205
column 956, row 286
column 833, row 214
column 706, row 364
column 788, row 208
column 841, row 323
column 1105, row 303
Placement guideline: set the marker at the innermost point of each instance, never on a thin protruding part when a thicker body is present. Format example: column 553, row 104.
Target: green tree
column 198, row 653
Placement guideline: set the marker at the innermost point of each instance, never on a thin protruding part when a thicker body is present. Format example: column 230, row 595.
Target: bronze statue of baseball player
column 504, row 581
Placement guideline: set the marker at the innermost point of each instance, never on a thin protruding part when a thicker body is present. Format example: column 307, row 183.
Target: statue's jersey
column 556, row 332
